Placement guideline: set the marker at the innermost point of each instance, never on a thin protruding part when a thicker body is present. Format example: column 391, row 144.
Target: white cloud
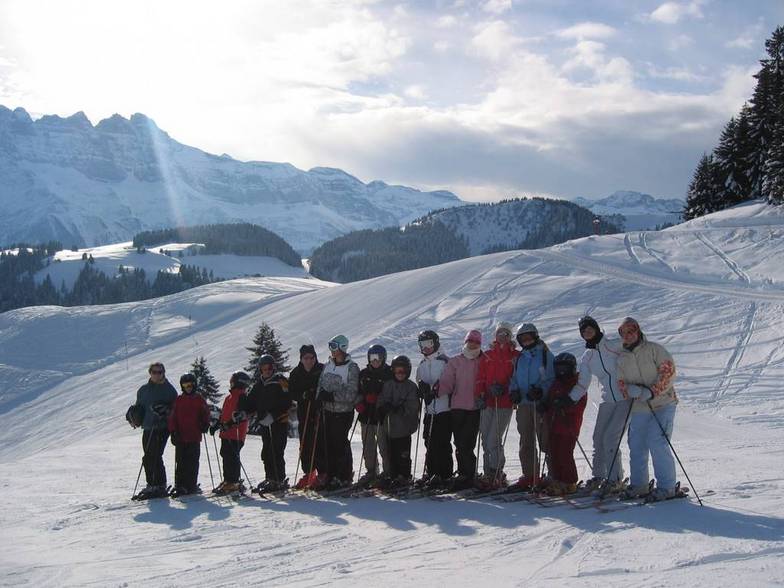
column 674, row 12
column 497, row 6
column 416, row 92
column 590, row 55
column 752, row 36
column 681, row 74
column 587, row 30
column 679, row 42
column 442, row 46
column 446, row 22
column 495, row 40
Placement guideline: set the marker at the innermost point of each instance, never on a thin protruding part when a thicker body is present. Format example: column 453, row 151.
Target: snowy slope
column 642, row 211
column 65, row 179
column 107, row 258
column 65, row 434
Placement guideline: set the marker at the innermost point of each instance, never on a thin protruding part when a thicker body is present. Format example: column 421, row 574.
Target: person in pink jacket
column 459, row 382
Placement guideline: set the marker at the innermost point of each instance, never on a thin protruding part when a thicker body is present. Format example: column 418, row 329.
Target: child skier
column 399, row 409
column 374, row 440
column 303, row 383
column 565, row 418
column 189, row 418
column 233, row 429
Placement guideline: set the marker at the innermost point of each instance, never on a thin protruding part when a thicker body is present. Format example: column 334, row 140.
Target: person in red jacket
column 565, row 417
column 189, row 419
column 495, row 372
column 233, row 430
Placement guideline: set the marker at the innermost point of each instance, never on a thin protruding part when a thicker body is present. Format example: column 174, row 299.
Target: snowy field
column 711, row 291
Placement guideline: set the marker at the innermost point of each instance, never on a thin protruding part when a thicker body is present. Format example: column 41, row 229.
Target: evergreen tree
column 732, row 158
column 773, row 185
column 266, row 343
column 206, row 385
column 703, row 190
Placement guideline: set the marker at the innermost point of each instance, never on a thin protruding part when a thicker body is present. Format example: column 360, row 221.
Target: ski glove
column 326, row 395
column 639, row 392
column 161, row 410
column 535, row 394
column 479, row 403
column 516, row 396
column 371, row 398
column 496, row 390
column 424, row 389
column 267, row 420
column 214, row 428
column 238, row 416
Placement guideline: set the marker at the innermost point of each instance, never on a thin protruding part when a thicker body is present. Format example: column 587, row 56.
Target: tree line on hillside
column 237, row 239
column 748, row 162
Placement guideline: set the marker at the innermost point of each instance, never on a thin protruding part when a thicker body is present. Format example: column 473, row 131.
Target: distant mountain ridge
column 642, row 211
column 68, row 180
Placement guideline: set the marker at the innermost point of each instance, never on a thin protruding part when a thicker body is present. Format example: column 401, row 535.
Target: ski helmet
column 135, row 415
column 189, row 377
column 504, row 326
column 308, row 350
column 266, row 359
column 588, row 321
column 339, row 342
column 526, row 328
column 377, row 350
column 565, row 365
column 404, row 362
column 432, row 336
column 239, row 380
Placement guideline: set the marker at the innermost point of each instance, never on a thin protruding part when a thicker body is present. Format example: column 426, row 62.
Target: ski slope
column 711, row 291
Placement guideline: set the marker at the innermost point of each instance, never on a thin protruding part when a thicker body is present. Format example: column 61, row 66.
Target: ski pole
column 429, row 444
column 499, row 447
column 315, row 442
column 478, row 449
column 584, row 455
column 674, row 452
column 416, row 451
column 620, row 438
column 217, row 456
column 239, row 459
column 209, row 462
column 537, row 448
column 302, row 441
column 139, row 475
column 364, row 441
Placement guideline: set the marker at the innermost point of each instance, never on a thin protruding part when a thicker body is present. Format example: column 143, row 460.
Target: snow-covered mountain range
column 642, row 211
column 711, row 291
column 65, row 179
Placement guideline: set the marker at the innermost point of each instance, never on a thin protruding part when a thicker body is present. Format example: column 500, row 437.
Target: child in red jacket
column 189, row 418
column 233, row 425
column 566, row 418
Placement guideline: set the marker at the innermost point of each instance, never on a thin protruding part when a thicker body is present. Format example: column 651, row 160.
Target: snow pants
column 437, row 433
column 465, row 426
column 533, row 429
column 400, row 457
column 273, row 448
column 562, row 466
column 610, row 427
column 646, row 438
column 492, row 425
column 375, row 441
column 153, row 443
column 339, row 463
column 186, row 458
column 230, row 452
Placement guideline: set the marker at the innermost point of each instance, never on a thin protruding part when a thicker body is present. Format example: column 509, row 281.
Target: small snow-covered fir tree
column 704, row 189
column 773, row 183
column 266, row 343
column 206, row 384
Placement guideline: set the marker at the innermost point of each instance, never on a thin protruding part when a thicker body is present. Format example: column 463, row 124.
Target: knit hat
column 504, row 326
column 308, row 350
column 629, row 323
column 588, row 321
column 473, row 336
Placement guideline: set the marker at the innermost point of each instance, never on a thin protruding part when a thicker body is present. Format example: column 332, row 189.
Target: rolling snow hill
column 711, row 291
column 67, row 180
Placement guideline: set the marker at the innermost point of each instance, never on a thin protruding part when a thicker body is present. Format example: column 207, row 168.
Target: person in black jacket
column 270, row 400
column 374, row 440
column 303, row 383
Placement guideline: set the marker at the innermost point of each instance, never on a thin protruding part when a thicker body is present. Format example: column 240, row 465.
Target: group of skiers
column 468, row 400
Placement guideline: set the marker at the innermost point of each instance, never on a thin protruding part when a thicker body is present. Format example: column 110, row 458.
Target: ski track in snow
column 734, row 267
column 644, row 244
column 627, row 241
column 747, row 330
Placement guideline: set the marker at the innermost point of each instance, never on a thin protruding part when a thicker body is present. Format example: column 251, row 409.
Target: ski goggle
column 626, row 330
column 334, row 346
column 426, row 344
column 187, row 385
column 375, row 357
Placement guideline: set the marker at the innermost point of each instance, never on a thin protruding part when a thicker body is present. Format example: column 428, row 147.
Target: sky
column 488, row 98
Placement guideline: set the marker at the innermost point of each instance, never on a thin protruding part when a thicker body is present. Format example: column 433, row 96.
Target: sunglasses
column 628, row 330
column 187, row 385
column 375, row 357
column 426, row 344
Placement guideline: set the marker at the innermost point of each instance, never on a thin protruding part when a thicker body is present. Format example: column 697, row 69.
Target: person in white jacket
column 600, row 361
column 437, row 426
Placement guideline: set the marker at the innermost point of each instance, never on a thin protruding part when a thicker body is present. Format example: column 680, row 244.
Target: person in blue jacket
column 533, row 374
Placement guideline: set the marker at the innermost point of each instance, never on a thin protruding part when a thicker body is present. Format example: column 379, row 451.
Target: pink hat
column 473, row 336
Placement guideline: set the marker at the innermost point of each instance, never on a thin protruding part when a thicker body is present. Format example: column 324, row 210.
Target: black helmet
column 135, row 415
column 565, row 365
column 588, row 321
column 377, row 350
column 266, row 359
column 402, row 361
column 429, row 335
column 189, row 377
column 239, row 380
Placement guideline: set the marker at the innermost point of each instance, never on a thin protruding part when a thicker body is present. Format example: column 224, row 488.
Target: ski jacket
column 459, row 382
column 189, row 418
column 269, row 397
column 565, row 421
column 371, row 382
column 343, row 381
column 150, row 395
column 651, row 366
column 303, row 384
column 496, row 367
column 399, row 401
column 430, row 370
column 533, row 367
column 230, row 404
column 601, row 362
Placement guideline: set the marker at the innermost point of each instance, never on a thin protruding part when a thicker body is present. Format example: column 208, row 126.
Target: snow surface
column 68, row 460
column 67, row 263
column 641, row 211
